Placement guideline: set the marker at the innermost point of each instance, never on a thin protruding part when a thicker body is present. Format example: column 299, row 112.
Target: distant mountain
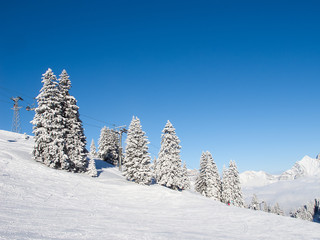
column 254, row 178
column 306, row 167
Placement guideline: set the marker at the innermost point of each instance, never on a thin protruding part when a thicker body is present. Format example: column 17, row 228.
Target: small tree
column 185, row 178
column 169, row 172
column 92, row 170
column 93, row 151
column 226, row 188
column 137, row 159
column 254, row 203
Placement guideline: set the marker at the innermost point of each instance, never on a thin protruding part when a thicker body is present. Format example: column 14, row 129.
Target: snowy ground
column 37, row 202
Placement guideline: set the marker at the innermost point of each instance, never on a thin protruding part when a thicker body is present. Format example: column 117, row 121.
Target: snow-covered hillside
column 291, row 189
column 37, row 202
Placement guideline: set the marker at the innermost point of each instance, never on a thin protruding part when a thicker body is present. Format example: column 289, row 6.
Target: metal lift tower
column 16, row 115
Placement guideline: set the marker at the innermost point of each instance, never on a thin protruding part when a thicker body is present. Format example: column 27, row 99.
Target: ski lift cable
column 98, row 120
column 20, row 93
column 10, row 91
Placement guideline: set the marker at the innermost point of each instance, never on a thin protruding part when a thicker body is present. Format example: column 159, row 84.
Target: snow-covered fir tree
column 208, row 181
column 254, row 203
column 226, row 189
column 59, row 138
column 200, row 183
column 137, row 166
column 154, row 167
column 92, row 170
column 231, row 187
column 265, row 207
column 109, row 146
column 307, row 212
column 74, row 133
column 49, row 125
column 93, row 150
column 169, row 170
column 277, row 210
column 237, row 199
column 185, row 179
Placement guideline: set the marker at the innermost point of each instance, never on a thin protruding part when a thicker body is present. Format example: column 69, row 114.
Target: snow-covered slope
column 37, row 202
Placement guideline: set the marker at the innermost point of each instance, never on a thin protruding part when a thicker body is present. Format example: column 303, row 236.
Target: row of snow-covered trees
column 263, row 206
column 58, row 133
column 209, row 183
column 309, row 211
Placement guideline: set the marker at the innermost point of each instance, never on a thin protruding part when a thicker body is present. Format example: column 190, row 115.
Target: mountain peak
column 307, row 166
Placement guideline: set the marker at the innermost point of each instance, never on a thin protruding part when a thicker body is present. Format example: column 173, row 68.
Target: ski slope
column 37, row 202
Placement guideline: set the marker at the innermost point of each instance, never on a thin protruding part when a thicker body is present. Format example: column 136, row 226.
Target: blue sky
column 237, row 78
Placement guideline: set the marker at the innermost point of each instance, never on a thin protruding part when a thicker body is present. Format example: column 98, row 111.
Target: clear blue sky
column 237, row 78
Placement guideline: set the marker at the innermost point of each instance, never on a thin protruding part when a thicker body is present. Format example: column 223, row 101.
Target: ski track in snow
column 37, row 202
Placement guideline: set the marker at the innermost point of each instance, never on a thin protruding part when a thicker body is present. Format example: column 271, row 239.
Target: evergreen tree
column 93, row 150
column 73, row 131
column 231, row 187
column 214, row 183
column 49, row 125
column 102, row 151
column 169, row 172
column 254, row 203
column 208, row 181
column 137, row 159
column 154, row 168
column 226, row 189
column 109, row 146
column 92, row 170
column 201, row 184
column 277, row 210
column 185, row 178
column 265, row 207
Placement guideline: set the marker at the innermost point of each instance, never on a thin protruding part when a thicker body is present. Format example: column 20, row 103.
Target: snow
column 292, row 189
column 38, row 202
column 256, row 179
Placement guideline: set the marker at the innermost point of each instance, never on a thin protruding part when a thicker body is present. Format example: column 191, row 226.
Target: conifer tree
column 208, row 181
column 92, row 170
column 213, row 179
column 137, row 166
column 102, row 142
column 200, row 184
column 234, row 178
column 93, row 150
column 254, row 203
column 265, row 207
column 73, row 133
column 49, row 125
column 109, row 146
column 169, row 171
column 185, row 179
column 154, row 168
column 226, row 189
